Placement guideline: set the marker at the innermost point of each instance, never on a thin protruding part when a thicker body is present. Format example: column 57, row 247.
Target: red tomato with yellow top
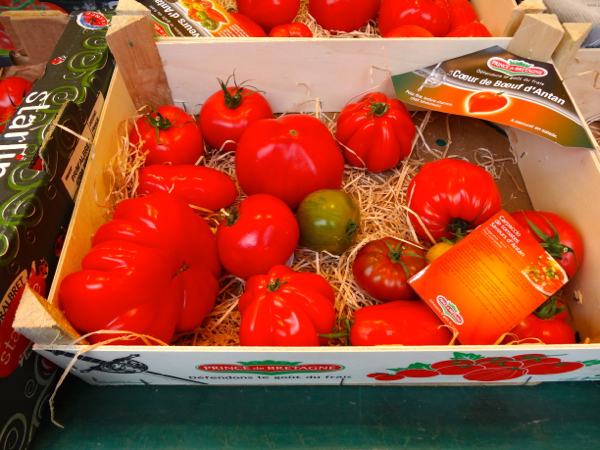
column 452, row 196
column 401, row 322
column 169, row 135
column 383, row 267
column 269, row 13
column 433, row 15
column 228, row 113
column 375, row 132
column 289, row 157
column 343, row 15
column 258, row 234
column 461, row 13
column 295, row 29
column 285, row 308
column 558, row 237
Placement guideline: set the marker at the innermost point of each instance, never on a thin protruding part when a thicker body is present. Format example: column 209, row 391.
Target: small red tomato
column 169, row 135
column 199, row 186
column 474, row 29
column 295, row 29
column 433, row 15
column 251, row 28
column 383, row 267
column 269, row 13
column 461, row 13
column 376, row 132
column 552, row 368
column 386, row 377
column 343, row 15
column 259, row 233
column 419, row 373
column 12, row 92
column 289, row 157
column 227, row 114
column 558, row 237
column 551, row 331
column 408, row 31
column 487, row 102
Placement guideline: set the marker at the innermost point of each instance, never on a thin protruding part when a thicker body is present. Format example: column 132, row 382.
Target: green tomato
column 329, row 220
column 209, row 24
column 202, row 16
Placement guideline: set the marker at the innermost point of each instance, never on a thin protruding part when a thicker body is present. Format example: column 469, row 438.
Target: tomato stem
column 551, row 244
column 340, row 334
column 458, row 227
column 232, row 216
column 351, row 229
column 549, row 308
column 233, row 98
column 379, row 109
column 275, row 285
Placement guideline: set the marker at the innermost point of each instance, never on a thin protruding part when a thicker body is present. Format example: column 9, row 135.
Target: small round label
column 92, row 20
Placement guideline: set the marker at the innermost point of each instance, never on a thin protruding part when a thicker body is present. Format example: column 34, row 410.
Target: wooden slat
column 495, row 14
column 38, row 32
column 519, row 13
column 537, row 37
column 575, row 34
column 131, row 40
column 582, row 77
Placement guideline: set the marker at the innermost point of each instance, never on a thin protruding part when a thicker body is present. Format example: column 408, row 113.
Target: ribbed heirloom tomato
column 382, row 268
column 286, row 308
column 269, row 13
column 295, row 29
column 170, row 135
column 486, row 102
column 343, row 15
column 228, row 113
column 258, row 234
column 451, row 195
column 375, row 132
column 433, row 15
column 461, row 13
column 288, row 157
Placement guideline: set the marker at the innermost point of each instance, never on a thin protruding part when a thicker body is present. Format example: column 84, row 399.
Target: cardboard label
column 489, row 281
column 498, row 86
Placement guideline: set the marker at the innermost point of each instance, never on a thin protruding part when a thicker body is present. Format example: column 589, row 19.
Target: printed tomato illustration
column 551, row 368
column 376, row 374
column 385, row 377
column 495, row 374
column 456, row 367
column 495, row 361
column 486, row 102
column 535, row 359
column 416, row 370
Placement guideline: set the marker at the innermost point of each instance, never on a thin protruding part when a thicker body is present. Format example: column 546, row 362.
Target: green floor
column 548, row 416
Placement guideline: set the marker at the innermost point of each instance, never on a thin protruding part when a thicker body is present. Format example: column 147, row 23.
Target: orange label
column 490, row 281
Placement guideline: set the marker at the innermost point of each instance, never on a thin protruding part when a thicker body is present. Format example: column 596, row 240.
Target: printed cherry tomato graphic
column 376, row 374
column 495, row 374
column 487, row 102
column 389, row 377
column 418, row 373
column 456, row 367
column 554, row 368
column 215, row 15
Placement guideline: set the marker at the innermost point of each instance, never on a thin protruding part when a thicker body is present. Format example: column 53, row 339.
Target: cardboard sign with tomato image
column 496, row 85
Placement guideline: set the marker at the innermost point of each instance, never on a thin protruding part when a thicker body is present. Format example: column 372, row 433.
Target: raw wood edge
column 527, row 7
column 537, row 37
column 575, row 34
column 38, row 32
column 10, row 29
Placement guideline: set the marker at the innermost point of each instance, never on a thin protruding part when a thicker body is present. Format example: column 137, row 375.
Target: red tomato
column 295, row 29
column 408, row 31
column 495, row 360
column 251, row 28
column 495, row 374
column 474, row 29
column 375, row 131
column 269, row 13
column 549, row 331
column 343, row 15
column 6, row 43
column 400, row 322
column 558, row 237
column 494, row 364
column 259, row 233
column 170, row 135
column 289, row 157
column 552, row 308
column 461, row 13
column 6, row 116
column 199, row 186
column 433, row 15
column 382, row 268
column 456, row 367
column 12, row 92
column 554, row 367
column 286, row 308
column 451, row 195
column 228, row 113
column 386, row 377
column 486, row 102
column 418, row 373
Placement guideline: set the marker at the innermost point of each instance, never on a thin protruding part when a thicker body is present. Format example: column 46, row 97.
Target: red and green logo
column 514, row 67
column 450, row 309
column 270, row 367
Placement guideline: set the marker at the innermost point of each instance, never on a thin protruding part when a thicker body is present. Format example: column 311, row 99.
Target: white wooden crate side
column 566, row 181
column 179, row 365
column 332, row 69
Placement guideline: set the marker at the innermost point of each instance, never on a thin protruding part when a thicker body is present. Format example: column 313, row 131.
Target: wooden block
column 131, row 40
column 39, row 31
column 575, row 34
column 537, row 37
column 132, row 8
column 10, row 29
column 494, row 14
column 519, row 13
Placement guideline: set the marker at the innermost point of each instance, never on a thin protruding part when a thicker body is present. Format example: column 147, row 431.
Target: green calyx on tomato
column 551, row 244
column 233, row 97
column 232, row 217
column 458, row 227
column 159, row 122
column 343, row 331
column 396, row 255
column 274, row 286
column 379, row 109
column 549, row 308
